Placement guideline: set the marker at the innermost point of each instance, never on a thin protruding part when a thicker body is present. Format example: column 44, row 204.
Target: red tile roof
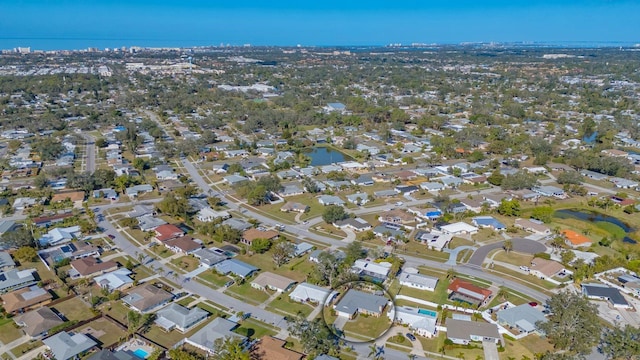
column 168, row 231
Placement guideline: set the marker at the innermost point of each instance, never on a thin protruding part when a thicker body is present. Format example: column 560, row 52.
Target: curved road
column 519, row 244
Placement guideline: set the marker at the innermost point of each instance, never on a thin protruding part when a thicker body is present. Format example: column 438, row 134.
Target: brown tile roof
column 38, row 321
column 146, row 296
column 89, row 265
column 72, row 195
column 546, row 267
column 184, row 243
column 266, row 279
column 45, row 219
column 24, row 298
column 168, row 231
column 461, row 284
column 270, row 348
column 253, row 234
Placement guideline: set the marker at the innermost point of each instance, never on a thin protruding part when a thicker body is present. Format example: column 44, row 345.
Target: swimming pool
column 427, row 312
column 141, row 353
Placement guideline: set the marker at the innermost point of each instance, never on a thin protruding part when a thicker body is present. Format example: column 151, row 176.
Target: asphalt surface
column 519, row 244
column 90, row 153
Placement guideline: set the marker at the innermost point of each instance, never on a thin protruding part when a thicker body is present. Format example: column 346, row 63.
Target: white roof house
column 377, row 270
column 306, row 292
column 459, row 228
column 179, row 317
column 59, row 235
column 418, row 281
column 208, row 214
column 421, row 321
column 114, row 280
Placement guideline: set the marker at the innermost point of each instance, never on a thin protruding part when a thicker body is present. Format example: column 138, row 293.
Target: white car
column 399, row 203
column 524, row 268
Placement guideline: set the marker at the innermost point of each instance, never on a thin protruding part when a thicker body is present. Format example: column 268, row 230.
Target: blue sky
column 48, row 24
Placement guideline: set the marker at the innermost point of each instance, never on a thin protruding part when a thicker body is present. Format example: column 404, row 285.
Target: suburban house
column 327, row 200
column 15, row 279
column 545, row 269
column 206, row 337
column 433, row 187
column 464, row 291
column 459, row 228
column 550, row 191
column 355, row 224
column 271, row 281
column 146, row 297
column 377, row 271
column 183, row 245
column 473, row 205
column 6, row 261
column 251, row 234
column 302, row 248
column 57, row 236
column 417, row 281
column 488, row 222
column 435, row 240
column 295, row 207
column 114, row 280
column 269, row 347
column 90, row 266
column 426, row 214
column 306, row 292
column 175, row 316
column 419, row 321
column 76, row 198
column 397, row 217
column 463, row 332
column 603, row 292
column 207, row 214
column 25, row 299
column 358, row 302
column 575, row 239
column 235, row 267
column 522, row 317
column 66, row 345
column 37, row 323
column 167, row 232
column 137, row 190
column 46, row 221
column 358, row 198
column 339, row 255
column 533, row 226
column 210, row 257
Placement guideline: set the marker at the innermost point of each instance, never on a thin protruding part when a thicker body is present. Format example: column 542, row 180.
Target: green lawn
column 26, row 347
column 74, row 309
column 107, row 332
column 186, row 263
column 283, row 304
column 297, row 269
column 417, row 249
column 529, row 280
column 254, row 329
column 513, row 258
column 439, row 296
column 161, row 251
column 9, row 331
column 367, row 326
column 247, row 293
column 214, row 278
column 458, row 241
column 169, row 339
column 116, row 310
column 186, row 301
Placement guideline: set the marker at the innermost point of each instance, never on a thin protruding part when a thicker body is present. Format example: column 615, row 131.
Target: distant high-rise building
column 23, row 50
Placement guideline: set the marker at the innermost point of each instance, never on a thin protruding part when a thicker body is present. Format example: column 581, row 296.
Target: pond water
column 325, row 156
column 595, row 217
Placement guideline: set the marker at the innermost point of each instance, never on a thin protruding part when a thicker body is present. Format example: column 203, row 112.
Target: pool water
column 427, row 312
column 141, row 353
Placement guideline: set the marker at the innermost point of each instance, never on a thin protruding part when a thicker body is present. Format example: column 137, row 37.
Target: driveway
column 490, row 350
column 521, row 245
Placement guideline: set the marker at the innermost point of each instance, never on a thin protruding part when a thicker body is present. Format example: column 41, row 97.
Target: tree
column 315, row 337
column 129, row 222
column 18, row 238
column 172, row 205
column 260, row 245
column 181, row 354
column 518, row 181
column 573, row 323
column 333, row 213
column 495, row 178
column 569, row 177
column 353, row 252
column 133, row 322
column 282, row 251
column 509, row 207
column 48, row 148
column 26, row 254
column 567, row 256
column 507, row 245
column 230, row 348
column 621, row 343
column 543, row 213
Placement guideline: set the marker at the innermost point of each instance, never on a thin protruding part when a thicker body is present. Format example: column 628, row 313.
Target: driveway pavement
column 519, row 244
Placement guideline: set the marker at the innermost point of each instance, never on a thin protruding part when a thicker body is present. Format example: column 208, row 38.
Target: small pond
column 595, row 217
column 321, row 156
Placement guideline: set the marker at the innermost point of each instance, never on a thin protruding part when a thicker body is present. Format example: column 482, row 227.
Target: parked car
column 111, row 236
column 533, row 304
column 411, row 337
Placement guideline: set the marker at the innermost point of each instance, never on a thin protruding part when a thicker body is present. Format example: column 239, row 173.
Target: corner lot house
column 178, row 317
column 545, row 269
column 417, row 281
column 488, row 222
column 219, row 328
column 522, row 317
column 435, row 240
column 66, row 345
column 463, row 332
column 533, row 226
column 37, row 323
column 268, row 280
column 146, row 297
column 604, row 292
column 359, row 302
column 306, row 292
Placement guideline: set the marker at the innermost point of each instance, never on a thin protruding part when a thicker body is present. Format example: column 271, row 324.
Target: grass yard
column 9, row 331
column 458, row 241
column 417, row 249
column 247, row 293
column 439, row 296
column 367, row 326
column 168, row 339
column 212, row 308
column 106, row 331
column 161, row 251
column 283, row 304
column 214, row 278
column 186, row 263
column 486, row 235
column 254, row 329
column 116, row 310
column 297, row 269
column 74, row 309
column 513, row 258
column 26, row 347
column 529, row 280
column 186, row 301
column 141, row 272
column 328, row 230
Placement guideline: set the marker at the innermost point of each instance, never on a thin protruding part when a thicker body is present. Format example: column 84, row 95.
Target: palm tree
column 507, row 245
column 451, row 274
column 502, row 294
